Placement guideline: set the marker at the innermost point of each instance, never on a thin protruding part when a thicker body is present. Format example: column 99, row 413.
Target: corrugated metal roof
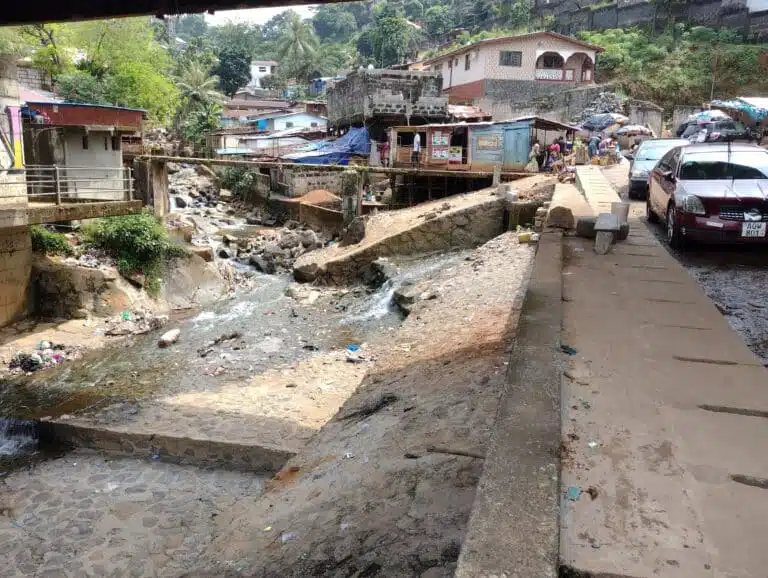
column 465, row 111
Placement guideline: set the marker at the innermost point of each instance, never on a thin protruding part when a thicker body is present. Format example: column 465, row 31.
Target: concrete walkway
column 664, row 462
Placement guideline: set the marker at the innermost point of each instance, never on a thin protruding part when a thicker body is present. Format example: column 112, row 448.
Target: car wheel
column 674, row 235
column 650, row 216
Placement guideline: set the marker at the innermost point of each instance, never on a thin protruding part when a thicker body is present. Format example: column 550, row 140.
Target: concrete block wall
column 299, row 182
column 33, row 78
column 361, row 93
column 682, row 112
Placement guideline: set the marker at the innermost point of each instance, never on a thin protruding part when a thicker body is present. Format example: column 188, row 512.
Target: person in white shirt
column 415, row 154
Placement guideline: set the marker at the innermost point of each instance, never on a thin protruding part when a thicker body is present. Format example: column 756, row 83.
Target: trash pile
column 46, row 354
column 604, row 103
column 91, row 258
column 134, row 323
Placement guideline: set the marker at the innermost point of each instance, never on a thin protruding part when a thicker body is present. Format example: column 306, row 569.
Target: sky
column 254, row 15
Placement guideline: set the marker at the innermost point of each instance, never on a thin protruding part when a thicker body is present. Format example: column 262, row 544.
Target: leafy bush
column 239, row 180
column 49, row 242
column 139, row 242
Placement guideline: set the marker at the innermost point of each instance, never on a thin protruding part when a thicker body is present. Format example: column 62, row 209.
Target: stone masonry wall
column 572, row 17
column 457, row 229
column 560, row 106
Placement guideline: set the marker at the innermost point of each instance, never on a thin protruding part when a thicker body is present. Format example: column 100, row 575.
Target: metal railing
column 62, row 184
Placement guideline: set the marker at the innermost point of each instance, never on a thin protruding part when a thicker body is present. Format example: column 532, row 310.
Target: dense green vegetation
column 49, row 242
column 180, row 69
column 682, row 65
column 140, row 243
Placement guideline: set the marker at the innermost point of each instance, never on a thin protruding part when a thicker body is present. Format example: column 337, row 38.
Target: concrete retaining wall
column 200, row 452
column 321, row 219
column 15, row 268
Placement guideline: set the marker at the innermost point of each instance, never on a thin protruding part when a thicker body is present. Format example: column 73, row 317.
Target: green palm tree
column 297, row 46
column 198, row 87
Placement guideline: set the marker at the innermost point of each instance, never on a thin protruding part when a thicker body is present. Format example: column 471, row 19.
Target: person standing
column 415, row 154
column 593, row 145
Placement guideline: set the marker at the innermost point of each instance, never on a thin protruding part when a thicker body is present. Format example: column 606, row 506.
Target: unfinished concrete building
column 384, row 98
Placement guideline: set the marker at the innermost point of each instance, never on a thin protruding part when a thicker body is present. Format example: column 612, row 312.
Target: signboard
column 454, row 155
column 491, row 142
column 440, row 139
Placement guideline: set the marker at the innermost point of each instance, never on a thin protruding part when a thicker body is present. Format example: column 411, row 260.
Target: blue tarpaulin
column 334, row 152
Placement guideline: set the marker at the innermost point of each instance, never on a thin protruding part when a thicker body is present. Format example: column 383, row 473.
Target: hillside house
column 260, row 69
column 279, row 121
column 515, row 68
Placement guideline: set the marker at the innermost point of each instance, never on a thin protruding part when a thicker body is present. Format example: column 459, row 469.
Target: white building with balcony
column 515, row 68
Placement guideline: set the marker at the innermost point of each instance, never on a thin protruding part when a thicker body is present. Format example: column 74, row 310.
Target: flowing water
column 273, row 331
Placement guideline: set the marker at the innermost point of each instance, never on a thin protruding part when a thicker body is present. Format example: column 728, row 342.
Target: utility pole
column 714, row 68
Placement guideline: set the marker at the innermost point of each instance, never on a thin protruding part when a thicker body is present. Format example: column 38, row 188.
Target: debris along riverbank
column 386, row 487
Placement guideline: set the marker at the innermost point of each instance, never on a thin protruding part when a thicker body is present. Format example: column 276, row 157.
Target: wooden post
column 496, row 175
column 57, row 183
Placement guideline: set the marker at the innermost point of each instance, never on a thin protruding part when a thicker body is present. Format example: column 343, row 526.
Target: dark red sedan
column 712, row 192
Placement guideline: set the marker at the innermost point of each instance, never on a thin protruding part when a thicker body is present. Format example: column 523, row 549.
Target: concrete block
column 566, row 207
column 603, row 242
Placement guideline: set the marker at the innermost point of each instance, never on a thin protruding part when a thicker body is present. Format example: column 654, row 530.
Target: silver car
column 645, row 158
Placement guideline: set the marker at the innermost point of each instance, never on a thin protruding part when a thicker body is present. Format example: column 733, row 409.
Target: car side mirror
column 629, row 156
column 669, row 176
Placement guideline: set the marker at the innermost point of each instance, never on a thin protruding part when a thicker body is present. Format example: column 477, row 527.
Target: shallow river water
column 273, row 331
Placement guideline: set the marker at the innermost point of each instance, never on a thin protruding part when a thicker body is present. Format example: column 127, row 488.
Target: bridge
column 49, row 194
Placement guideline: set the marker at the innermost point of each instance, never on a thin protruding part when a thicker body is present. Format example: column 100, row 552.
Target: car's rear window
column 713, row 166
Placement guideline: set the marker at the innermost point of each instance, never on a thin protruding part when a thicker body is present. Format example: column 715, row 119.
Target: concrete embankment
column 460, row 221
column 386, row 487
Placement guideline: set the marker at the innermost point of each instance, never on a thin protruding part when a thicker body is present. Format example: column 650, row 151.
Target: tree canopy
column 233, row 69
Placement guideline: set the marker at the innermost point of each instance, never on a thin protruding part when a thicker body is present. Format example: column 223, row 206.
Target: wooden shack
column 478, row 146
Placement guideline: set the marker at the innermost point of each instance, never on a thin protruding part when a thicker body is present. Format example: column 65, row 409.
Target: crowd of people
column 552, row 157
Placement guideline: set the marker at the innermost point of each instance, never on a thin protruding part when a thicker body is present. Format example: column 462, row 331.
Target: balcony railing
column 57, row 184
column 556, row 74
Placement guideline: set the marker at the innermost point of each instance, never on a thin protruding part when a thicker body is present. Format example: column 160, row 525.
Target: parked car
column 644, row 159
column 718, row 131
column 714, row 192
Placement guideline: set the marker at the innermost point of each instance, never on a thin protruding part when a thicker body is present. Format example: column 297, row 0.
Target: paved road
column 735, row 278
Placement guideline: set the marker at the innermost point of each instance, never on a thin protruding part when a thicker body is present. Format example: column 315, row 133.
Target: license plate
column 753, row 229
